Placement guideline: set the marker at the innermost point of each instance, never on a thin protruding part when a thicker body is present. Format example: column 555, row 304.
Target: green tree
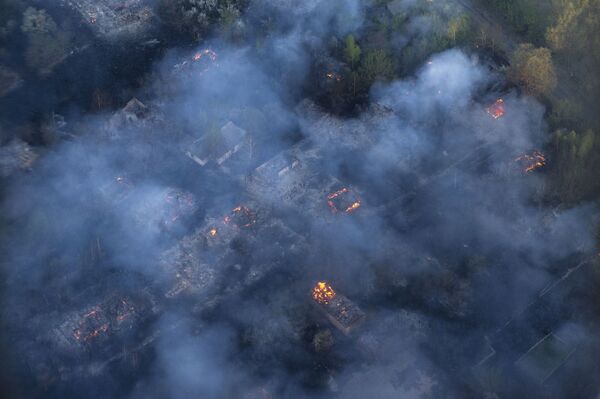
column 575, row 37
column 459, row 28
column 577, row 160
column 532, row 69
column 351, row 51
column 375, row 65
column 195, row 17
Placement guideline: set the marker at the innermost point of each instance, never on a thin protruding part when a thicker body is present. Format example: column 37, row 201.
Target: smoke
column 449, row 243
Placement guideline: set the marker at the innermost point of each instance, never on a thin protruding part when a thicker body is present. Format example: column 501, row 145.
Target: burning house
column 229, row 149
column 496, row 110
column 91, row 338
column 295, row 179
column 116, row 315
column 200, row 61
column 339, row 310
column 115, row 19
column 531, row 162
column 343, row 200
column 226, row 255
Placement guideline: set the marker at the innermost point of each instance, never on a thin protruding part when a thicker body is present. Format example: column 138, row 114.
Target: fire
column 323, row 293
column 90, row 326
column 355, row 205
column 241, row 216
column 532, row 162
column 212, row 56
column 496, row 110
column 125, row 310
column 338, row 201
column 333, row 76
column 212, row 232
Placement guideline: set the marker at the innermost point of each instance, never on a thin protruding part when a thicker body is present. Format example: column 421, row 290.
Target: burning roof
column 241, row 216
column 496, row 110
column 531, row 162
column 338, row 309
column 197, row 63
column 323, row 293
column 98, row 322
column 343, row 200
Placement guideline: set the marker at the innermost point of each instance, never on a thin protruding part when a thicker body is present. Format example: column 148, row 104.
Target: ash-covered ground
column 227, row 233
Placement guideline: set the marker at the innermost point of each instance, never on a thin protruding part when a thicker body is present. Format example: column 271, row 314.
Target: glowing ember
column 206, row 53
column 531, row 162
column 124, row 310
column 333, row 76
column 341, row 200
column 323, row 293
column 496, row 110
column 353, row 207
column 91, row 326
column 241, row 216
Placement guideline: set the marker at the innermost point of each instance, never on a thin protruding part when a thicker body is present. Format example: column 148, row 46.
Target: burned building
column 85, row 341
column 339, row 310
column 226, row 255
column 188, row 269
column 229, row 149
column 285, row 177
column 330, row 133
column 114, row 19
column 134, row 115
column 199, row 62
column 296, row 179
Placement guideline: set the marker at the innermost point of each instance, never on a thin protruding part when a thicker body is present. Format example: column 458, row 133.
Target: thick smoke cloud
column 435, row 175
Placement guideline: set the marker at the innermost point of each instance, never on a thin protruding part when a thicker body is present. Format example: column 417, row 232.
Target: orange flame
column 323, row 293
column 206, row 52
column 242, row 216
column 334, row 208
column 496, row 110
column 532, row 161
column 212, row 232
column 353, row 207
